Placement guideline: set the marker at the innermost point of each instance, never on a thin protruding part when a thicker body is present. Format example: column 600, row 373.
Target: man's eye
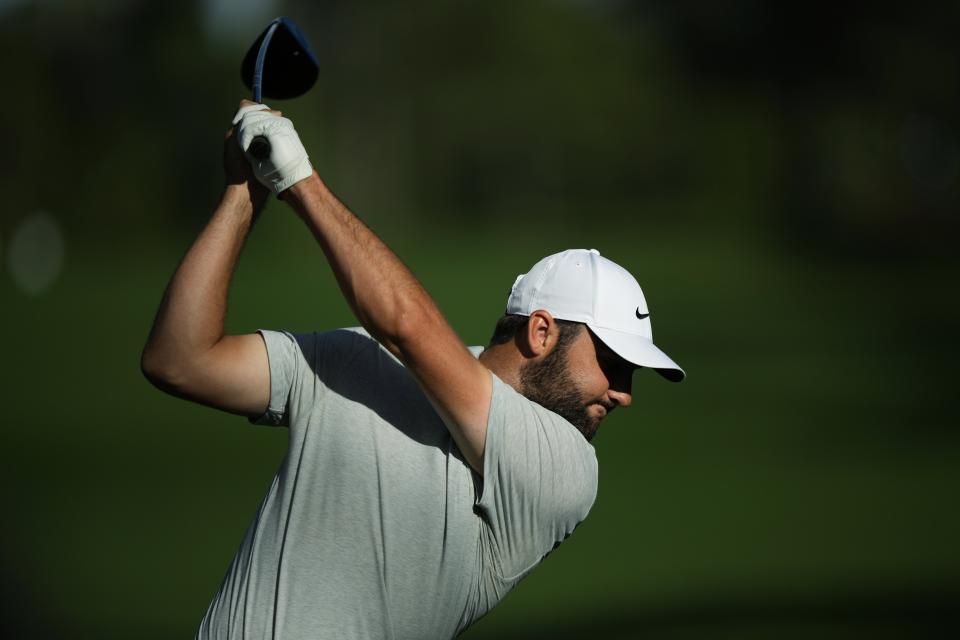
column 608, row 362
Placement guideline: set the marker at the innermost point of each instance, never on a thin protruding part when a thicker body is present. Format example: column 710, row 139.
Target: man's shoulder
column 514, row 407
column 321, row 350
column 356, row 336
column 345, row 333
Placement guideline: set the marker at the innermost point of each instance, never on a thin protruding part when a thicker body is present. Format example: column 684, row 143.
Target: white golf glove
column 288, row 162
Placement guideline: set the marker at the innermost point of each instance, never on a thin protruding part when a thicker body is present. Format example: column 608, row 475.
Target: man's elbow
column 160, row 370
column 411, row 326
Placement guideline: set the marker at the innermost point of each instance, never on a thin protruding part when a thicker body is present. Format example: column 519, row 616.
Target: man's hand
column 236, row 169
column 288, row 162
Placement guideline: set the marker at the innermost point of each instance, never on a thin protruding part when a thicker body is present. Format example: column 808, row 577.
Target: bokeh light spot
column 35, row 257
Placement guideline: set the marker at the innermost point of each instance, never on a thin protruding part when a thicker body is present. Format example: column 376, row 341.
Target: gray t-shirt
column 374, row 525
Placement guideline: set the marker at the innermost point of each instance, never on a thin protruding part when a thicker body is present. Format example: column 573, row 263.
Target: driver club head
column 289, row 66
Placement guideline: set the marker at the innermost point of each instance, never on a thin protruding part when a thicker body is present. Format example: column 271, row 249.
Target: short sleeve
column 304, row 365
column 286, row 355
column 540, row 480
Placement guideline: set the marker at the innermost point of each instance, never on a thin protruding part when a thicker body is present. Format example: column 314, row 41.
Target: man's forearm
column 387, row 299
column 192, row 313
column 384, row 295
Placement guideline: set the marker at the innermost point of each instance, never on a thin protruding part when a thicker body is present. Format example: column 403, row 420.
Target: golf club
column 279, row 65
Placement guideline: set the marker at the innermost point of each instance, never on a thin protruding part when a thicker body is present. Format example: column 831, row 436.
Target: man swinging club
column 423, row 478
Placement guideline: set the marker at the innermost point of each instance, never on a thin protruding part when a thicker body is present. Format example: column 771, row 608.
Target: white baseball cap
column 583, row 286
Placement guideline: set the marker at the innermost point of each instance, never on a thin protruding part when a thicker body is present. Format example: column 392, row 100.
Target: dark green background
column 783, row 180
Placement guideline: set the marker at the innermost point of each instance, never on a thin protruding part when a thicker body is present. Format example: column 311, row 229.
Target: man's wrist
column 303, row 189
column 287, row 182
column 244, row 199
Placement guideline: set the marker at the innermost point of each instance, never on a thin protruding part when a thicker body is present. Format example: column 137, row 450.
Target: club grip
column 259, row 148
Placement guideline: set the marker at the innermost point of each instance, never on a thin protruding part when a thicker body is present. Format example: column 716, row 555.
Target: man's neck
column 504, row 362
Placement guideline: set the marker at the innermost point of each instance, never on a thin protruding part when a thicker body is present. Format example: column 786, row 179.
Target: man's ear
column 541, row 334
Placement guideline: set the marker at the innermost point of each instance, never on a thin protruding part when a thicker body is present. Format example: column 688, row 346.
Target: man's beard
column 549, row 384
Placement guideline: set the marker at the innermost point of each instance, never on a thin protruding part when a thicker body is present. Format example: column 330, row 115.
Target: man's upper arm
column 233, row 375
column 458, row 385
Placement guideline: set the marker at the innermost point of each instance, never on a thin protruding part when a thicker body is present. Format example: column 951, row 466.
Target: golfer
column 423, row 478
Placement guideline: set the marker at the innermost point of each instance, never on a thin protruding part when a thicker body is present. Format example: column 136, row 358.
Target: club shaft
column 261, row 56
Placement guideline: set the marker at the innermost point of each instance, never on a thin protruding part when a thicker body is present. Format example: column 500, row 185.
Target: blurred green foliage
column 783, row 180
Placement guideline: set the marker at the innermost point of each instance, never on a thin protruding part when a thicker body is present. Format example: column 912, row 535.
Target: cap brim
column 641, row 352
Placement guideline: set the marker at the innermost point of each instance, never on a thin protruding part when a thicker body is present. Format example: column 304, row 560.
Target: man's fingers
column 250, row 103
column 249, row 107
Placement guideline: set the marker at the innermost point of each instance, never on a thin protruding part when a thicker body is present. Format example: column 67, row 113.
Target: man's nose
column 622, row 398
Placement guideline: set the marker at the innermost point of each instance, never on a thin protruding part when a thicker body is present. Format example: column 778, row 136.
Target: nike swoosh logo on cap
column 642, row 315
